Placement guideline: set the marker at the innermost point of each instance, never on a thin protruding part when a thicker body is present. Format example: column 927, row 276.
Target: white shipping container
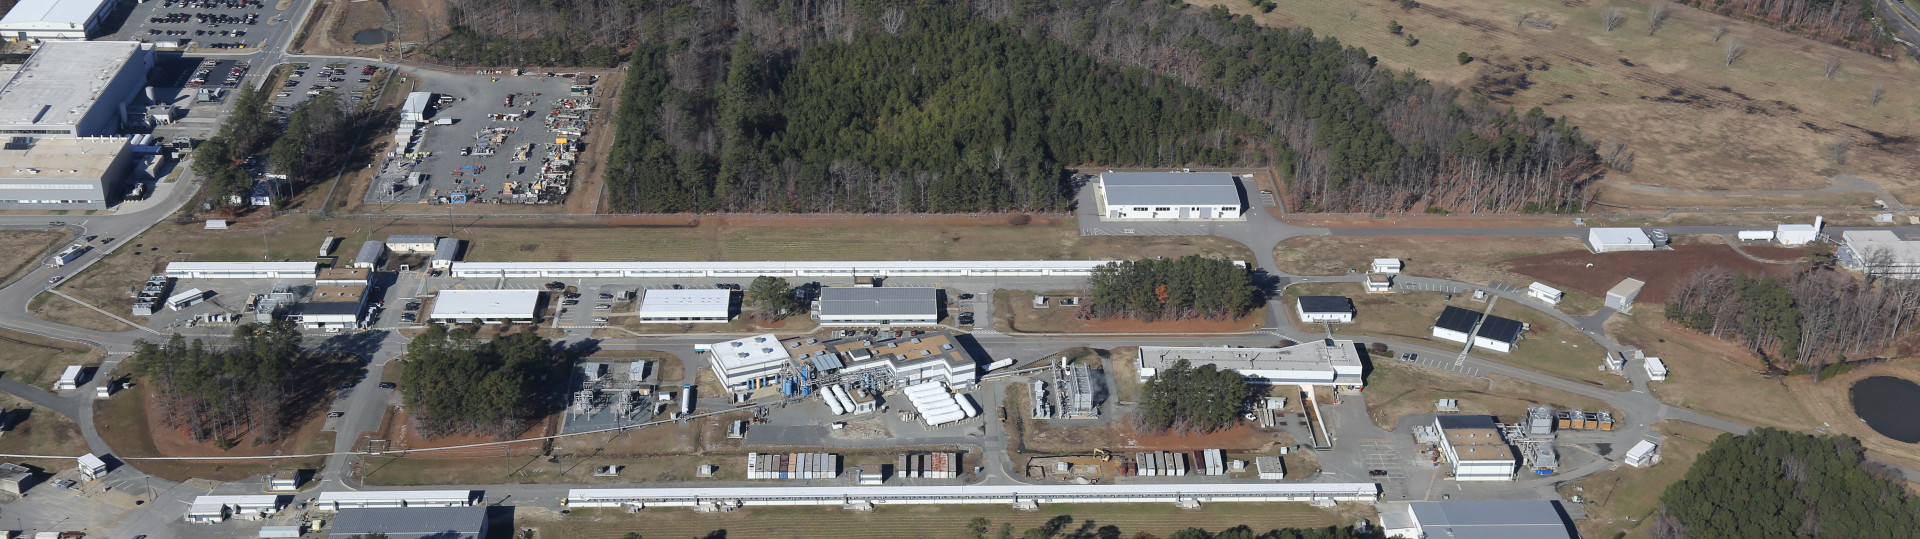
column 1755, row 235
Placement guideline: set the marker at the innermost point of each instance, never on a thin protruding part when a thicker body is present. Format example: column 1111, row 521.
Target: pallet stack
column 793, row 466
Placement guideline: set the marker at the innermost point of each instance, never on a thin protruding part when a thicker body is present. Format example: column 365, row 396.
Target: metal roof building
column 55, row 19
column 445, row 253
column 412, row 243
column 976, row 494
column 1880, row 252
column 73, row 88
column 1330, row 362
column 1473, row 445
column 1488, row 331
column 79, row 173
column 370, row 253
column 1607, row 240
column 243, row 270
column 706, row 305
column 877, row 306
column 1169, row 195
column 412, row 523
column 1621, row 296
column 335, row 500
column 1514, row 519
column 1324, row 309
column 485, row 306
column 874, row 268
column 415, row 108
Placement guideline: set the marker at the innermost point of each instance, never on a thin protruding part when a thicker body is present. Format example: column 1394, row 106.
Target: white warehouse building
column 1880, row 253
column 1329, row 362
column 1169, row 195
column 67, row 173
column 485, row 306
column 1608, row 240
column 55, row 19
column 1474, row 446
column 877, row 307
column 73, row 88
column 705, row 305
column 336, row 500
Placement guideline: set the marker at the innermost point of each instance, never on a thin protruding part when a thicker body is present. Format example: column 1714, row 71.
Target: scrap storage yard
column 472, row 148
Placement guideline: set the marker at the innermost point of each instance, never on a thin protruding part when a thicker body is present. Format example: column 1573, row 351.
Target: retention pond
column 1887, row 403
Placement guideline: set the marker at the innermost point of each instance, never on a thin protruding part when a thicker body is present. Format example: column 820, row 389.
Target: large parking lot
column 349, row 79
column 484, row 132
column 208, row 24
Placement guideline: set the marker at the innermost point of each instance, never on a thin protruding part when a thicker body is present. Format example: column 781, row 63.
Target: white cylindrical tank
column 832, row 403
column 967, row 406
column 840, row 394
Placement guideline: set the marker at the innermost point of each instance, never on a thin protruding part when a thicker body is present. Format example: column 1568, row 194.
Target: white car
column 602, row 320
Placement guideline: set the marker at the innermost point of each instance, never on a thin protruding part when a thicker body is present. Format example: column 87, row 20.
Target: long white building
column 879, row 268
column 55, row 19
column 976, row 494
column 1330, row 362
column 686, row 305
column 336, row 500
column 842, row 306
column 73, row 88
column 243, row 270
column 485, row 306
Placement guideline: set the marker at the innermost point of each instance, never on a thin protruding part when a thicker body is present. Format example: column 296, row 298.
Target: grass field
column 58, row 309
column 39, row 431
column 1471, row 259
column 1708, row 375
column 1551, row 346
column 1395, row 389
column 1620, row 500
column 1695, row 124
column 935, row 521
column 21, row 250
column 38, row 361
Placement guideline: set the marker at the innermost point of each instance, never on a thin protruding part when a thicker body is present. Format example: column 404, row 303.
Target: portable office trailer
column 1656, row 369
column 1754, row 235
column 1542, row 292
column 69, row 379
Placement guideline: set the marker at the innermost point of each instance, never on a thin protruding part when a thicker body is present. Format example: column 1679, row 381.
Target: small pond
column 372, row 36
column 1887, row 404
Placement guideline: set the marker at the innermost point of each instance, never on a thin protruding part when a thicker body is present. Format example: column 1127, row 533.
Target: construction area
column 456, row 148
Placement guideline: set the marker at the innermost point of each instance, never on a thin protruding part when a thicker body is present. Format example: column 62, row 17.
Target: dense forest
column 1184, row 399
column 253, row 387
column 1191, row 286
column 1774, row 483
column 456, row 384
column 978, row 105
column 1807, row 321
column 1847, row 23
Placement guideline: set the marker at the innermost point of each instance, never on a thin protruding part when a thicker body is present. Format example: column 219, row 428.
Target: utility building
column 55, row 19
column 445, row 253
column 1329, row 362
column 73, row 88
column 370, row 254
column 1486, row 331
column 1169, row 195
column 1608, row 240
column 1472, row 444
column 707, row 305
column 1621, row 296
column 1880, row 253
column 877, row 307
column 412, row 243
column 1324, row 309
column 1797, row 235
column 64, row 173
column 746, row 364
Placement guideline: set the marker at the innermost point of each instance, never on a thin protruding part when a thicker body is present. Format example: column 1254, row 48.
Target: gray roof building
column 1170, row 189
column 73, row 88
column 1514, row 519
column 877, row 306
column 85, row 173
column 412, row 523
column 446, row 253
column 370, row 253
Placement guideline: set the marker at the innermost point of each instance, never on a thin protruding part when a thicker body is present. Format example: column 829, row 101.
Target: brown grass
column 1622, row 499
column 22, row 250
column 1395, row 389
column 1695, row 124
column 1709, row 375
column 38, row 361
column 39, row 431
column 58, row 309
column 1830, row 403
column 124, row 423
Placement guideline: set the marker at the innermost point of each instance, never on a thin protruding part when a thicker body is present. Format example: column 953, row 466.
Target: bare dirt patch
column 1663, row 271
column 38, row 361
column 1696, row 124
column 1474, row 259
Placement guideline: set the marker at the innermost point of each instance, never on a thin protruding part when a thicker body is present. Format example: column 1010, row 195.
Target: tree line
column 249, row 387
column 1188, row 400
column 319, row 137
column 1774, row 483
column 1191, row 286
column 454, row 383
column 316, row 139
column 941, row 112
column 1808, row 320
column 976, row 105
column 221, row 161
column 1847, row 23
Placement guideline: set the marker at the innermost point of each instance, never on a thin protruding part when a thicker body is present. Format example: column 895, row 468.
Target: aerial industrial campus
column 1438, row 269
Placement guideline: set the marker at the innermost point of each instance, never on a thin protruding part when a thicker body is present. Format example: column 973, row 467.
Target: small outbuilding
column 1379, row 283
column 1542, row 292
column 1607, row 240
column 14, row 478
column 1324, row 309
column 446, row 253
column 1485, row 331
column 1621, row 296
column 91, row 466
column 1386, row 265
column 1656, row 369
column 1796, row 235
column 370, row 254
column 70, row 378
column 412, row 243
column 1646, row 453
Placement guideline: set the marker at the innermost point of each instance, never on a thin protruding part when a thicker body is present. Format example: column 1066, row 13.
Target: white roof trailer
column 337, row 500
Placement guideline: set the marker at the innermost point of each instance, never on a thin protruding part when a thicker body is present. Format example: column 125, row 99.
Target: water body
column 372, row 36
column 1887, row 404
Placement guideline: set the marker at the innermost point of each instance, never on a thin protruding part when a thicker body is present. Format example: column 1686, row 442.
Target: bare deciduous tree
column 1351, row 13
column 1719, row 32
column 1833, row 66
column 892, row 19
column 1839, row 147
column 1657, row 15
column 1615, row 155
column 1612, row 17
column 1873, row 98
column 1734, row 50
column 1520, row 17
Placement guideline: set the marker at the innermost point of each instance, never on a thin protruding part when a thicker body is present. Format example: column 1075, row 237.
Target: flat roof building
column 1488, row 331
column 1607, row 240
column 370, row 254
column 79, row 173
column 338, row 500
column 335, row 307
column 756, row 362
column 210, row 509
column 485, row 306
column 73, row 88
column 55, row 19
column 877, row 306
column 748, row 270
column 343, row 277
column 415, row 107
column 446, row 253
column 1472, row 444
column 1531, row 519
column 1324, row 309
column 707, row 305
column 1880, row 253
column 1621, row 296
column 1169, row 195
column 412, row 523
column 14, row 478
column 749, row 363
column 1328, row 362
column 243, row 270
column 412, row 243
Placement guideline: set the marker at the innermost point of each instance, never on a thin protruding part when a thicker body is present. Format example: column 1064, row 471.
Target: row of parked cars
column 205, row 72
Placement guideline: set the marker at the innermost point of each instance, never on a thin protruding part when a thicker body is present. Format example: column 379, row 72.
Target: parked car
column 387, row 385
column 966, row 296
column 346, row 385
column 336, row 414
column 1377, row 473
column 600, row 319
column 602, row 306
